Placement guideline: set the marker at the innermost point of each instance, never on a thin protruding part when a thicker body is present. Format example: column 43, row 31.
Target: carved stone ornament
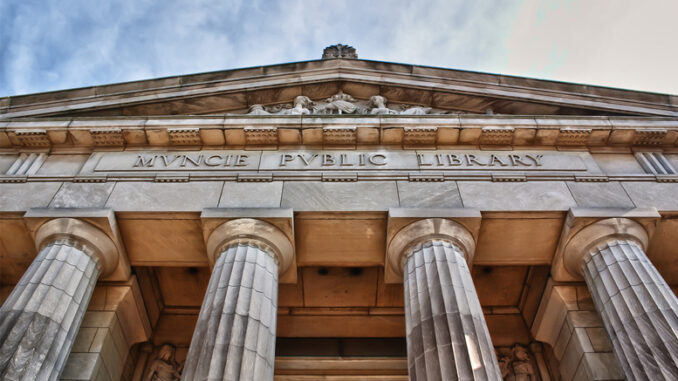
column 340, row 51
column 517, row 364
column 255, row 232
column 164, row 367
column 342, row 103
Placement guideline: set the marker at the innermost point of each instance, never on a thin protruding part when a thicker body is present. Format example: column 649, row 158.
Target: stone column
column 234, row 338
column 638, row 308
column 447, row 337
column 40, row 318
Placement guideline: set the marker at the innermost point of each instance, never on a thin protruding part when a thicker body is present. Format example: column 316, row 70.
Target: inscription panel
column 179, row 161
column 318, row 160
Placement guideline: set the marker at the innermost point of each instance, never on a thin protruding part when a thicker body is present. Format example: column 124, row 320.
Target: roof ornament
column 339, row 51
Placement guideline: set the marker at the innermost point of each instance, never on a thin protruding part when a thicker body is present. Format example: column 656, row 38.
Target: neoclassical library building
column 339, row 219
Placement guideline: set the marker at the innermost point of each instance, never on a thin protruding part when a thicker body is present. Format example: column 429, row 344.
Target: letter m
column 144, row 162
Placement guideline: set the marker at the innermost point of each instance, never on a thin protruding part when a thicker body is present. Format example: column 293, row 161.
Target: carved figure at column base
column 516, row 363
column 164, row 367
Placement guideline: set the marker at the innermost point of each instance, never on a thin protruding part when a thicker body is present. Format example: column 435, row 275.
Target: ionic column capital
column 255, row 232
column 587, row 229
column 81, row 234
column 420, row 231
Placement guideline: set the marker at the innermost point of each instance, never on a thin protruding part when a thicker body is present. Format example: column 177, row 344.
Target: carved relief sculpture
column 378, row 104
column 516, row 364
column 341, row 103
column 522, row 367
column 164, row 367
column 301, row 106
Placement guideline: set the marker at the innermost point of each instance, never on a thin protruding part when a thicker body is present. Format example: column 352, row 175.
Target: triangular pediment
column 403, row 87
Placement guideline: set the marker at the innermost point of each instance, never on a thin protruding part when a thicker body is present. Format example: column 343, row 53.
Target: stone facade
column 384, row 219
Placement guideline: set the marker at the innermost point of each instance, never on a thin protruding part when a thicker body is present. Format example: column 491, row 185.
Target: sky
column 60, row 44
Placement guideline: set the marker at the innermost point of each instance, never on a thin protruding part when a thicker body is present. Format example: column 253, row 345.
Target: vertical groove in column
column 234, row 338
column 447, row 337
column 41, row 317
column 638, row 308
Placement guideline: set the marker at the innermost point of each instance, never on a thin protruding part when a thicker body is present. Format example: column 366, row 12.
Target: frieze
column 340, row 160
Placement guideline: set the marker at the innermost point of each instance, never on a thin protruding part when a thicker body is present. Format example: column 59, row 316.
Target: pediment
column 402, row 87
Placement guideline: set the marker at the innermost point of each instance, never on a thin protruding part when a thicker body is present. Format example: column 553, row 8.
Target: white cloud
column 619, row 43
column 53, row 45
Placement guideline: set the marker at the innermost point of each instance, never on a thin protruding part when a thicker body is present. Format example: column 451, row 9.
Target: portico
column 339, row 218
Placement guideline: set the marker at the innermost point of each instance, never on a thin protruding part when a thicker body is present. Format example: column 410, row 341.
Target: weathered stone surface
column 62, row 164
column 612, row 163
column 638, row 308
column 251, row 195
column 82, row 195
column 447, row 337
column 600, row 195
column 21, row 197
column 428, row 194
column 663, row 196
column 234, row 338
column 6, row 162
column 568, row 322
column 543, row 195
column 138, row 196
column 41, row 317
column 326, row 196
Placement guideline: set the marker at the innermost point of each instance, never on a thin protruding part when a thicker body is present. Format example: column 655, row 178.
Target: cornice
column 355, row 71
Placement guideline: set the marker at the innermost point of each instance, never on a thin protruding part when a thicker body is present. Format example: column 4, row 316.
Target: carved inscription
column 327, row 160
column 190, row 161
column 471, row 160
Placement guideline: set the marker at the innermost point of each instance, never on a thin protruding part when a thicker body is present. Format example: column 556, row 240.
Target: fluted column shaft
column 41, row 317
column 234, row 338
column 447, row 337
column 638, row 309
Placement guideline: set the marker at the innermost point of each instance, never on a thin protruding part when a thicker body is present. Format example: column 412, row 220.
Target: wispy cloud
column 49, row 45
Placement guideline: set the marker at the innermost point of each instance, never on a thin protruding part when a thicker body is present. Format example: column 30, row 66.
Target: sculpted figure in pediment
column 416, row 110
column 338, row 103
column 378, row 106
column 302, row 105
column 258, row 110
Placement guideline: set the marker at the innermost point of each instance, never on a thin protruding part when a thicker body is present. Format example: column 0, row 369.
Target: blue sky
column 59, row 44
